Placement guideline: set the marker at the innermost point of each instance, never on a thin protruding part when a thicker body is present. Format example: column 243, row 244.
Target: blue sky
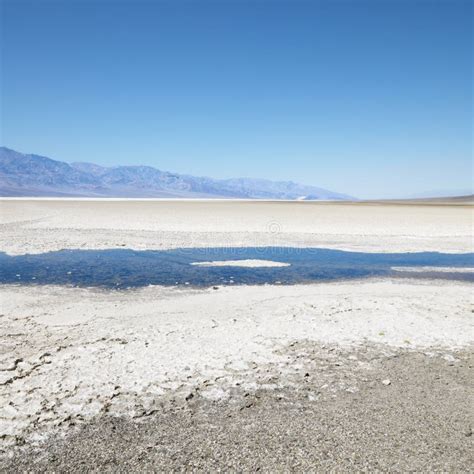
column 370, row 98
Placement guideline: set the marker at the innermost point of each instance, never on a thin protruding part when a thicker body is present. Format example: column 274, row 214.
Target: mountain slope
column 34, row 175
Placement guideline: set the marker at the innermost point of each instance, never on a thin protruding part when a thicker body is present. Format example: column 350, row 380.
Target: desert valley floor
column 370, row 373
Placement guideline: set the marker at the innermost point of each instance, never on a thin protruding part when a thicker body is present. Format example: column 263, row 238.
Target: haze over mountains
column 34, row 175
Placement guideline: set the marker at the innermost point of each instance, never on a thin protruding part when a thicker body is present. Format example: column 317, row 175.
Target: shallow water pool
column 125, row 268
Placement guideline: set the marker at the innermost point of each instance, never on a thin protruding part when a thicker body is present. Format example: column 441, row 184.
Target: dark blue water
column 123, row 268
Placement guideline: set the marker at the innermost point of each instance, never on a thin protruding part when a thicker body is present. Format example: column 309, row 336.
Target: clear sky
column 369, row 98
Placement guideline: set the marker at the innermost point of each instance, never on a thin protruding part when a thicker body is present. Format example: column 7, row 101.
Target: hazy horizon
column 371, row 99
column 425, row 194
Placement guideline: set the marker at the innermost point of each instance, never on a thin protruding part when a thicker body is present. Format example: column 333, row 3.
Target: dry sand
column 372, row 374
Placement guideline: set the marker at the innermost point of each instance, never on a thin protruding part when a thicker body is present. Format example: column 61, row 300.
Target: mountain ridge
column 35, row 175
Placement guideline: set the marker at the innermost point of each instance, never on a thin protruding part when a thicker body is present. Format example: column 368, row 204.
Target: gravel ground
column 359, row 409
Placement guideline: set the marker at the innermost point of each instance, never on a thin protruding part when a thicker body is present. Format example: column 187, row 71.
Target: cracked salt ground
column 307, row 381
column 71, row 355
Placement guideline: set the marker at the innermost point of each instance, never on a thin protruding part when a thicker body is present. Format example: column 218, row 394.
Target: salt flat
column 39, row 225
column 272, row 377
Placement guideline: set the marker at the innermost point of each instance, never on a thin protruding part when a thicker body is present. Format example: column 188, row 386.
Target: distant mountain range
column 34, row 175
